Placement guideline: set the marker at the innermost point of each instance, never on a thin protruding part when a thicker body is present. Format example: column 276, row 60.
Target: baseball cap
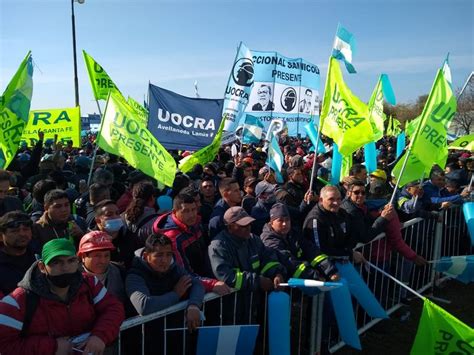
column 95, row 240
column 379, row 173
column 263, row 186
column 279, row 210
column 249, row 180
column 238, row 216
column 57, row 247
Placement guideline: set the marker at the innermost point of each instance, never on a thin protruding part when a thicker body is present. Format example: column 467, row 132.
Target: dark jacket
column 216, row 223
column 240, row 262
column 89, row 308
column 362, row 225
column 13, row 268
column 150, row 291
column 330, row 232
column 45, row 230
column 261, row 213
column 189, row 247
column 9, row 204
column 290, row 252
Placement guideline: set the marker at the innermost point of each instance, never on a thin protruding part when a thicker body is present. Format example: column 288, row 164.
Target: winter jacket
column 363, row 225
column 216, row 223
column 13, row 268
column 290, row 252
column 330, row 232
column 240, row 262
column 434, row 195
column 142, row 228
column 9, row 204
column 189, row 247
column 89, row 308
column 261, row 213
column 150, row 291
column 45, row 230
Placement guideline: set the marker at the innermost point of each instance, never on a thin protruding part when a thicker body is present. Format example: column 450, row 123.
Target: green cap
column 57, row 247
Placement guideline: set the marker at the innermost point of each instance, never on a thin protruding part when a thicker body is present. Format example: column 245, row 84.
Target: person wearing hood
column 108, row 220
column 182, row 227
column 266, row 198
column 56, row 308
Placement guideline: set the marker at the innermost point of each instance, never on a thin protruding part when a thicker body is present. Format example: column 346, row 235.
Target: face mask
column 63, row 280
column 113, row 225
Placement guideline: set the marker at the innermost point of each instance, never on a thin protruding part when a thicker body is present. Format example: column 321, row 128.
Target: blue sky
column 174, row 43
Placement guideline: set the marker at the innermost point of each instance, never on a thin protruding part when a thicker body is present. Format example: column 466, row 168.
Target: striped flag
column 227, row 340
column 459, row 267
column 252, row 130
column 275, row 158
column 344, row 47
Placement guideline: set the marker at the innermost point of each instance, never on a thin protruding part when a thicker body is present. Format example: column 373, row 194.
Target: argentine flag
column 275, row 159
column 227, row 340
column 315, row 139
column 252, row 130
column 344, row 47
column 458, row 267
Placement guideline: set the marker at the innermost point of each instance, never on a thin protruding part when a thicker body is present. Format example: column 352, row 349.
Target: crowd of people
column 76, row 259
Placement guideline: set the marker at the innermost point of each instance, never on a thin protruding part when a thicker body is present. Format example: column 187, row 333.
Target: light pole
column 73, row 21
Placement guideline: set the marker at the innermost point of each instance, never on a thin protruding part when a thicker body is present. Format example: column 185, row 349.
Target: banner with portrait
column 284, row 88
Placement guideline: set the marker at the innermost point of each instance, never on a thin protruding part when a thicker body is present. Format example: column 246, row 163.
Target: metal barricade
column 311, row 330
column 305, row 328
column 431, row 239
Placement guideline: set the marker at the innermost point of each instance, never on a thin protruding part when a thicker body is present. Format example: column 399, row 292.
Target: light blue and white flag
column 312, row 131
column 252, row 130
column 305, row 283
column 238, row 88
column 275, row 159
column 227, row 340
column 344, row 47
column 458, row 267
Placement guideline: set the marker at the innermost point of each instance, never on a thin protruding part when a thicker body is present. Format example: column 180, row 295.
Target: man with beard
column 56, row 308
column 17, row 254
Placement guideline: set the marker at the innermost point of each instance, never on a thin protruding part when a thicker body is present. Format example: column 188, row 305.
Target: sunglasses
column 16, row 224
column 358, row 192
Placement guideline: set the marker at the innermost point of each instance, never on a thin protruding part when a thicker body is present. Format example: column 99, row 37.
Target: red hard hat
column 95, row 240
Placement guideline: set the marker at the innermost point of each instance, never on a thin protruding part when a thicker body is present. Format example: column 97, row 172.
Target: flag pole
column 315, row 155
column 395, row 280
column 89, row 178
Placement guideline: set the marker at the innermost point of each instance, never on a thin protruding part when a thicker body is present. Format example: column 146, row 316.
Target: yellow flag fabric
column 439, row 332
column 393, row 127
column 65, row 122
column 203, row 155
column 429, row 142
column 14, row 109
column 123, row 134
column 346, row 118
column 139, row 109
column 463, row 143
column 100, row 80
column 376, row 115
column 410, row 127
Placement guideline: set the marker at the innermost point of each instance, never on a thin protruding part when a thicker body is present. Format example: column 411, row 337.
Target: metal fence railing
column 431, row 239
column 165, row 332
